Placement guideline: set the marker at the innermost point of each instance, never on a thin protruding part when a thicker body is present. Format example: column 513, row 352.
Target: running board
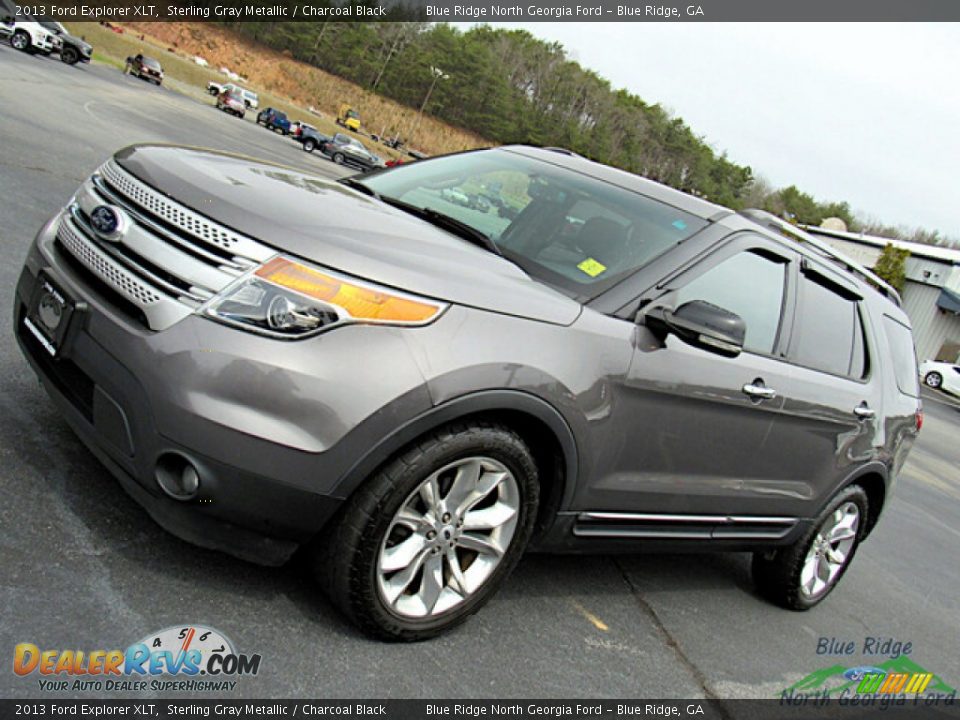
column 682, row 527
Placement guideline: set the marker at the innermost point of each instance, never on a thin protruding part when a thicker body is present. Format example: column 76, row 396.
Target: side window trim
column 742, row 241
column 813, row 274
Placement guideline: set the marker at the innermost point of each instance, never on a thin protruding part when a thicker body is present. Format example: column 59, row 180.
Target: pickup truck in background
column 145, row 68
column 308, row 136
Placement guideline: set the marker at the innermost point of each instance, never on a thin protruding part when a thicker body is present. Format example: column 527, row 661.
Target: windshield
column 151, row 63
column 565, row 228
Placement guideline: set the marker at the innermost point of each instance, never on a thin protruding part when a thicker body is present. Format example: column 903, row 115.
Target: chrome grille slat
column 80, row 225
column 161, row 311
column 154, row 249
column 235, row 265
column 185, row 219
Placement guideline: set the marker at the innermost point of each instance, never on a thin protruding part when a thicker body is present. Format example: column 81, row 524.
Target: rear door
column 830, row 415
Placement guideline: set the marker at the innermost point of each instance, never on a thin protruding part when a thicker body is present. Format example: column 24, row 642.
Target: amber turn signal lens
column 360, row 301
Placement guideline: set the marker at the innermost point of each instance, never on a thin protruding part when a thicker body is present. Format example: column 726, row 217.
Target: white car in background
column 33, row 37
column 941, row 376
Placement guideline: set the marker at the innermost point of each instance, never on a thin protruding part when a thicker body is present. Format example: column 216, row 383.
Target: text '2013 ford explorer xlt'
column 417, row 389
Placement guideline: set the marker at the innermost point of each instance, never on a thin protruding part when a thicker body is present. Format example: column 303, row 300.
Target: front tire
column 430, row 537
column 801, row 575
column 21, row 41
column 934, row 380
column 69, row 55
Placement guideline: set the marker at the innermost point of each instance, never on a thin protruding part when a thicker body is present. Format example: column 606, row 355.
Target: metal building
column 931, row 294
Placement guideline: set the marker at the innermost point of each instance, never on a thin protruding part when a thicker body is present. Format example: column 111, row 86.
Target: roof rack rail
column 772, row 222
column 562, row 151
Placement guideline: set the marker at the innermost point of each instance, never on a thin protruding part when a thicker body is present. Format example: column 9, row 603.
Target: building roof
column 950, row 256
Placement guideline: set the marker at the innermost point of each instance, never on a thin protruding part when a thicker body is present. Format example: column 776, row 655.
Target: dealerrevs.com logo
column 180, row 658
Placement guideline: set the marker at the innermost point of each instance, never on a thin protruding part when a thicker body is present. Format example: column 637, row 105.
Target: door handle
column 863, row 412
column 758, row 391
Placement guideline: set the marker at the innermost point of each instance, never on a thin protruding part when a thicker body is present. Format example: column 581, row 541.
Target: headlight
column 289, row 299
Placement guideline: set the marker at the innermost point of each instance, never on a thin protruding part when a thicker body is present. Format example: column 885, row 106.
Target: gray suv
column 413, row 391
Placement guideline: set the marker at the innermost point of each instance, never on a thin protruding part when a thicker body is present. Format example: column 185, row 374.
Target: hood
column 342, row 229
column 73, row 40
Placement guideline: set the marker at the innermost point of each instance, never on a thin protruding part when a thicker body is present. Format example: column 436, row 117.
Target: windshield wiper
column 357, row 185
column 448, row 223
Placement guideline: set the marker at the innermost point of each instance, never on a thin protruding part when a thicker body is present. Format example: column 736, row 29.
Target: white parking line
column 939, row 398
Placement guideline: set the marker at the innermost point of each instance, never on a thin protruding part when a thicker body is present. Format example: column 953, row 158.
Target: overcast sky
column 868, row 113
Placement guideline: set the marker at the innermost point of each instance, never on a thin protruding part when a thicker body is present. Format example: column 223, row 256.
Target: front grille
column 112, row 273
column 167, row 261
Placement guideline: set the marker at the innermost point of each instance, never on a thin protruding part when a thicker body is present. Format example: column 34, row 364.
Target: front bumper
column 271, row 443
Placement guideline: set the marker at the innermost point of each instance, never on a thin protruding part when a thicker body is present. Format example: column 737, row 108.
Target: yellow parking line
column 594, row 620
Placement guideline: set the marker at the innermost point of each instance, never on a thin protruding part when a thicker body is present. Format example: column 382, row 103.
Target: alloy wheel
column 830, row 550
column 448, row 537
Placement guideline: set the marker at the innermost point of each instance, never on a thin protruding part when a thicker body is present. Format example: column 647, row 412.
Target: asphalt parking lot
column 82, row 566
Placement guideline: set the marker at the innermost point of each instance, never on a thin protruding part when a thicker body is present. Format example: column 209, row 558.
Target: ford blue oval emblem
column 107, row 222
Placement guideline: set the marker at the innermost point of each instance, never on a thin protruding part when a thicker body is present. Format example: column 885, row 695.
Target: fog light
column 177, row 477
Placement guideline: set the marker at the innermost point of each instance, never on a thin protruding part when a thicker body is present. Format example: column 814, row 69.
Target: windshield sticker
column 591, row 267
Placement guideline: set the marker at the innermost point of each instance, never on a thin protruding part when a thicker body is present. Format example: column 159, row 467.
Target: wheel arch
column 541, row 425
column 874, row 478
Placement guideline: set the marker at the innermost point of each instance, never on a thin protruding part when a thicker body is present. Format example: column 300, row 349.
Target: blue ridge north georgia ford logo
column 107, row 222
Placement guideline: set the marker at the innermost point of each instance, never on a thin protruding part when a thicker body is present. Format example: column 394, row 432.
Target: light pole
column 438, row 74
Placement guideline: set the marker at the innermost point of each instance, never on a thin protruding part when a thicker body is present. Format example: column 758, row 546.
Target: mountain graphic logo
column 897, row 675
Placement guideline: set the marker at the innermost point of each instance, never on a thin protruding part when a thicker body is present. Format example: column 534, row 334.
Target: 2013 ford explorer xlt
column 415, row 390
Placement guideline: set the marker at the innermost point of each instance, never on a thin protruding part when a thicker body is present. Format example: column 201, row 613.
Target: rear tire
column 309, row 145
column 432, row 494
column 934, row 380
column 338, row 158
column 800, row 576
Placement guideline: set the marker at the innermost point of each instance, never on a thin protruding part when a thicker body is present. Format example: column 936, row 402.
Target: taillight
column 919, row 417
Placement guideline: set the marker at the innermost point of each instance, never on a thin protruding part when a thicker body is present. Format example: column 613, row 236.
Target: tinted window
column 749, row 285
column 903, row 355
column 828, row 335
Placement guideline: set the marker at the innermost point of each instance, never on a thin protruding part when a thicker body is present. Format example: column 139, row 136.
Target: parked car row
column 45, row 37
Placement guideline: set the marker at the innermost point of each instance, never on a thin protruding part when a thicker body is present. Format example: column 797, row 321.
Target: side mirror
column 702, row 325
